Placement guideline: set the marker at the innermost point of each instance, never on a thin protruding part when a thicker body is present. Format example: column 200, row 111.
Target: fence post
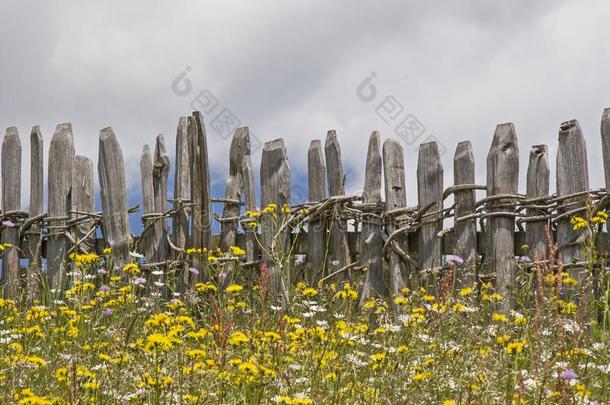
column 430, row 191
column 61, row 158
column 370, row 233
column 111, row 172
column 11, row 201
column 537, row 186
column 201, row 230
column 83, row 199
column 336, row 187
column 466, row 230
column 148, row 202
column 316, row 228
column 249, row 193
column 605, row 132
column 396, row 197
column 240, row 148
column 502, row 179
column 182, row 184
column 275, row 189
column 34, row 236
column 160, row 174
column 572, row 177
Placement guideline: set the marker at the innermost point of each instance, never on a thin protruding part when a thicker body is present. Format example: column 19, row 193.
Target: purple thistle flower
column 525, row 259
column 104, row 288
column 454, row 259
column 193, row 270
column 8, row 223
column 102, row 272
column 139, row 281
column 107, row 312
column 568, row 374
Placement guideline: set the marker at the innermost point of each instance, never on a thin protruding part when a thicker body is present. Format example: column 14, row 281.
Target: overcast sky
column 292, row 69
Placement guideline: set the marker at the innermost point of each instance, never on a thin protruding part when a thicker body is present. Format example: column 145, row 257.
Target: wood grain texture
column 502, row 178
column 605, row 132
column 335, row 175
column 148, row 201
column 33, row 246
column 83, row 200
column 160, row 175
column 61, row 166
column 249, row 195
column 317, row 237
column 370, row 239
column 465, row 231
column 111, row 172
column 537, row 186
column 430, row 191
column 275, row 189
column 11, row 201
column 201, row 229
column 572, row 176
column 182, row 183
column 396, row 197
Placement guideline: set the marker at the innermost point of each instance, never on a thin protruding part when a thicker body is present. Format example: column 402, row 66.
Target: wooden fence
column 400, row 246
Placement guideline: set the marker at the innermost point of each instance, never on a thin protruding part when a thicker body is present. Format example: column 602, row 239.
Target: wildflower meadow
column 122, row 334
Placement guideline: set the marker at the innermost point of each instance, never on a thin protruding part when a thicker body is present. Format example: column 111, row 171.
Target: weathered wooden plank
column 33, row 247
column 396, row 197
column 430, row 191
column 160, row 175
column 275, row 189
column 11, row 201
column 538, row 178
column 316, row 228
column 61, row 166
column 148, row 202
column 465, row 231
column 240, row 148
column 182, row 184
column 336, row 186
column 572, row 177
column 111, row 172
column 502, row 178
column 201, row 230
column 249, row 193
column 605, row 132
column 83, row 200
column 371, row 243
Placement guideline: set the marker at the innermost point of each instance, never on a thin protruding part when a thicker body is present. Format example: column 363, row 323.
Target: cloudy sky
column 292, row 70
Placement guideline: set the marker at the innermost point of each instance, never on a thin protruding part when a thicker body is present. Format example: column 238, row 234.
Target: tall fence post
column 249, row 193
column 11, row 201
column 240, row 148
column 537, row 187
column 160, row 175
column 605, row 132
column 275, row 189
column 61, row 158
column 201, row 230
column 465, row 230
column 83, row 200
column 316, row 227
column 396, row 198
column 572, row 177
column 430, row 194
column 370, row 239
column 148, row 203
column 33, row 247
column 502, row 184
column 111, row 172
column 336, row 187
column 182, row 184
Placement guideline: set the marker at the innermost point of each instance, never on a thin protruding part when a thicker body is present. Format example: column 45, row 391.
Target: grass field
column 114, row 338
